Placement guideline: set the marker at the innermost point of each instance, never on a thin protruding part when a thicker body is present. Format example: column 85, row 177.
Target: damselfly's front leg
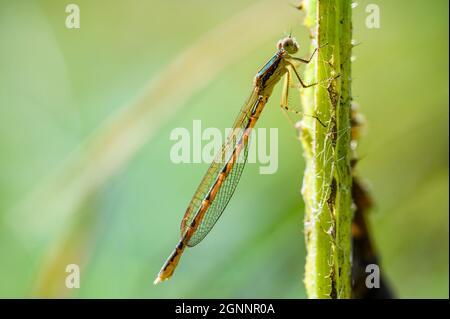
column 306, row 61
column 285, row 96
column 299, row 78
column 287, row 84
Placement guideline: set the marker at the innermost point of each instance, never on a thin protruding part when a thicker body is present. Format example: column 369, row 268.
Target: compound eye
column 291, row 46
column 280, row 44
column 288, row 44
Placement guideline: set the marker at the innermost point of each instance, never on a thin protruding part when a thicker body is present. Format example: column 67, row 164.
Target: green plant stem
column 327, row 180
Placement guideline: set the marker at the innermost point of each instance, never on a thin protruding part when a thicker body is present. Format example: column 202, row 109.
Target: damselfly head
column 289, row 44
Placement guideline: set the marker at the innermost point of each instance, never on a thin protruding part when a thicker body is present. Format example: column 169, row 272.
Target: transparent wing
column 221, row 200
column 228, row 186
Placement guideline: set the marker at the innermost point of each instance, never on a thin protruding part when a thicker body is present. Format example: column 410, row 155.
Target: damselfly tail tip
column 157, row 280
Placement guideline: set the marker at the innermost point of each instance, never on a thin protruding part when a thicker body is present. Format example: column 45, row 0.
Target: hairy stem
column 326, row 142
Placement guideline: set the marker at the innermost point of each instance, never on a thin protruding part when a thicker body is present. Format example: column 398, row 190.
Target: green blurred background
column 71, row 191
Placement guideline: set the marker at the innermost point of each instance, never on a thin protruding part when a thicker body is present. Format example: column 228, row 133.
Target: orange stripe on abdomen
column 210, row 196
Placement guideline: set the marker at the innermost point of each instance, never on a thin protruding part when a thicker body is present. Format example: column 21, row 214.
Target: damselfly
column 219, row 182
